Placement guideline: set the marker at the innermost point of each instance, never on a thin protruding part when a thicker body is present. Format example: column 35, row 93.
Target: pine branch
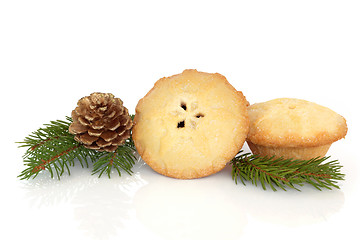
column 48, row 149
column 123, row 158
column 54, row 149
column 282, row 173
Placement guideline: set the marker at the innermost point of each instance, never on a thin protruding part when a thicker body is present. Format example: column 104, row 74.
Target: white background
column 54, row 52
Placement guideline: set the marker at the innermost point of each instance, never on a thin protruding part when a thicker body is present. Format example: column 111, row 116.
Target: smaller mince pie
column 293, row 128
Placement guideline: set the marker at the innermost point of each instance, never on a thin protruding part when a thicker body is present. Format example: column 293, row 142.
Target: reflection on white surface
column 101, row 206
column 292, row 208
column 209, row 208
column 189, row 209
column 101, row 210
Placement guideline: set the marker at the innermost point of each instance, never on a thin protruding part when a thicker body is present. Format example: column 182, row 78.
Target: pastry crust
column 190, row 125
column 303, row 153
column 293, row 128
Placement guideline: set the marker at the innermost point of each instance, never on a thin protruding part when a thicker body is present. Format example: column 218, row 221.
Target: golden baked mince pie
column 190, row 125
column 293, row 128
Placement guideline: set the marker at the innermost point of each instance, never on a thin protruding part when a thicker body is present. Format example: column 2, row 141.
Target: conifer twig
column 282, row 173
column 54, row 149
column 123, row 158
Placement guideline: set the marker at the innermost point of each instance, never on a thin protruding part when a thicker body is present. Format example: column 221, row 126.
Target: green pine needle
column 123, row 158
column 54, row 149
column 282, row 173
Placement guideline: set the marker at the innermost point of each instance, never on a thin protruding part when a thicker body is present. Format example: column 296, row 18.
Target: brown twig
column 314, row 174
column 43, row 142
column 112, row 159
column 44, row 162
column 267, row 173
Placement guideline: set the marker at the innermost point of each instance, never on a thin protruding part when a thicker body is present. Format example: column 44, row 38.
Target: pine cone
column 101, row 122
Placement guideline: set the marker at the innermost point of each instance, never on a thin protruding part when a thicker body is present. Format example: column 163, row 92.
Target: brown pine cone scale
column 101, row 122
